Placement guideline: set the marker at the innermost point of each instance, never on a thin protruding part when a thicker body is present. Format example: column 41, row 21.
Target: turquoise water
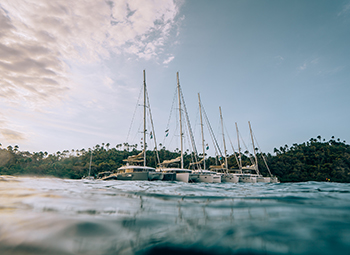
column 59, row 216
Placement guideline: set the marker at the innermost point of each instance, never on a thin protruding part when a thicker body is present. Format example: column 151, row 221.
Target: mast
column 200, row 114
column 256, row 159
column 223, row 137
column 239, row 149
column 181, row 138
column 90, row 163
column 144, row 117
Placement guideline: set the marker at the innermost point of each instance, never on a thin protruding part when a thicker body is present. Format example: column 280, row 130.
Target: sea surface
column 60, row 216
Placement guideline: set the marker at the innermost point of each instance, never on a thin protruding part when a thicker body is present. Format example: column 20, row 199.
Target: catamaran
column 179, row 174
column 203, row 175
column 132, row 171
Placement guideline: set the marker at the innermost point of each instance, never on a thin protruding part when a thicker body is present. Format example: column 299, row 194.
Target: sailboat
column 89, row 177
column 173, row 173
column 258, row 175
column 131, row 171
column 226, row 176
column 203, row 174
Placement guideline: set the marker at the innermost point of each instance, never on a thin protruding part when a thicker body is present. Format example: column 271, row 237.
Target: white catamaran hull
column 208, row 178
column 182, row 177
column 263, row 179
column 230, row 178
column 247, row 179
column 216, row 178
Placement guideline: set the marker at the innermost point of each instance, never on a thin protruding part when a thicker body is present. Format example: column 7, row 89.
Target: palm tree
column 319, row 137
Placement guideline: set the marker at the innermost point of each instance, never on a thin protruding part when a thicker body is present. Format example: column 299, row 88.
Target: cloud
column 308, row 63
column 302, row 67
column 11, row 135
column 40, row 39
column 168, row 60
column 345, row 10
column 331, row 71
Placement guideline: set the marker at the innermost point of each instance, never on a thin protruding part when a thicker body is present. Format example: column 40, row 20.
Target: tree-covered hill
column 314, row 160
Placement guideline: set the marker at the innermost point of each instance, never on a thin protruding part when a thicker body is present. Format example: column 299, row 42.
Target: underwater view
column 63, row 216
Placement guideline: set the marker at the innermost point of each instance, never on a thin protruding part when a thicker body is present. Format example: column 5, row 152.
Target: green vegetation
column 314, row 160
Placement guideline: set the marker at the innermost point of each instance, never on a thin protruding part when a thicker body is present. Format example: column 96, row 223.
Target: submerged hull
column 274, row 179
column 169, row 176
column 155, row 176
column 247, row 179
column 89, row 178
column 194, row 177
column 110, row 177
column 181, row 175
column 143, row 176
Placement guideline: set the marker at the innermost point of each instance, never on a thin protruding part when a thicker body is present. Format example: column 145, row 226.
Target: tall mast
column 179, row 98
column 200, row 113
column 90, row 162
column 239, row 149
column 144, row 117
column 223, row 137
column 256, row 159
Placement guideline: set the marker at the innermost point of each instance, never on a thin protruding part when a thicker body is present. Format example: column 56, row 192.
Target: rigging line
column 133, row 117
column 194, row 133
column 213, row 138
column 216, row 144
column 246, row 148
column 194, row 149
column 196, row 122
column 154, row 133
column 171, row 110
column 262, row 154
column 234, row 152
column 138, row 132
column 189, row 143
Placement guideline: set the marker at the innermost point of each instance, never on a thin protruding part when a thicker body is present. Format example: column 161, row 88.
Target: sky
column 71, row 72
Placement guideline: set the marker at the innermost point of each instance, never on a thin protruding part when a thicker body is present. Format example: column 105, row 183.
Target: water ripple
column 55, row 216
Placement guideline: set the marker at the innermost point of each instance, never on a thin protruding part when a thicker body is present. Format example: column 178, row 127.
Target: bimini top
column 133, row 168
column 175, row 170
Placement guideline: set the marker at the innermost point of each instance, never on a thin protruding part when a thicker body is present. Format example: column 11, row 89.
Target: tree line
column 314, row 160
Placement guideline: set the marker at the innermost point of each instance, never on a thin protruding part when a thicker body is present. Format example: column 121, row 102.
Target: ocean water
column 60, row 216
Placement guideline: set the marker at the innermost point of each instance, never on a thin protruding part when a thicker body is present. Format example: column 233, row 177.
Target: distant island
column 313, row 160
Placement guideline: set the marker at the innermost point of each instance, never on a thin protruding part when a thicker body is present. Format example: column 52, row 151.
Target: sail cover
column 135, row 158
column 167, row 162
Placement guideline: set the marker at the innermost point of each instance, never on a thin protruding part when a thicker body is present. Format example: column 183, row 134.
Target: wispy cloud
column 345, row 10
column 279, row 59
column 308, row 63
column 331, row 71
column 169, row 59
column 302, row 67
column 39, row 39
column 11, row 135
